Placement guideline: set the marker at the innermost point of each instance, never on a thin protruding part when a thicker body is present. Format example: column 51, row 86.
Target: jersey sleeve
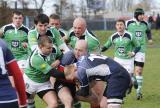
column 108, row 43
column 59, row 42
column 32, row 40
column 82, row 76
column 41, row 65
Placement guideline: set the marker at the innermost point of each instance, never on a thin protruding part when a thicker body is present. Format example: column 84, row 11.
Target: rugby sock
column 92, row 106
column 31, row 103
column 114, row 106
column 139, row 81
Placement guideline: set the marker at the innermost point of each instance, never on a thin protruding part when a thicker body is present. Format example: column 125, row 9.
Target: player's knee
column 138, row 71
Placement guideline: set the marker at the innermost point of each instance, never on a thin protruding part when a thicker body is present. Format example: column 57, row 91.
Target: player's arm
column 148, row 33
column 32, row 40
column 41, row 65
column 137, row 46
column 84, row 83
column 14, row 70
column 59, row 42
column 107, row 45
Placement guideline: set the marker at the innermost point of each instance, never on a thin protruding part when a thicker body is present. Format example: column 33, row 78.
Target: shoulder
column 68, row 58
column 128, row 22
column 24, row 28
column 144, row 22
column 7, row 27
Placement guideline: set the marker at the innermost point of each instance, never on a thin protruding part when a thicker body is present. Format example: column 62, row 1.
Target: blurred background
column 101, row 13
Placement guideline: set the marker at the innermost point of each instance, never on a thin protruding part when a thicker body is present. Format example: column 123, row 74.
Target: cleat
column 139, row 96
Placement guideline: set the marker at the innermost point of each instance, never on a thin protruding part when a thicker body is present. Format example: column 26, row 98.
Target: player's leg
column 103, row 103
column 30, row 91
column 116, row 88
column 30, row 100
column 65, row 96
column 50, row 97
column 98, row 89
column 128, row 64
column 139, row 64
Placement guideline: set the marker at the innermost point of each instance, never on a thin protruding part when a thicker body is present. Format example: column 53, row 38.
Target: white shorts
column 34, row 87
column 22, row 64
column 128, row 64
column 140, row 57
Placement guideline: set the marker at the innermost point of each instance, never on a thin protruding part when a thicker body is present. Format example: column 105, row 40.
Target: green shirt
column 15, row 39
column 39, row 65
column 122, row 44
column 92, row 41
column 140, row 30
column 52, row 32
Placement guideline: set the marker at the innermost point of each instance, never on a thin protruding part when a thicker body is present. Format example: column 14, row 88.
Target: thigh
column 9, row 105
column 60, row 84
column 140, row 57
column 65, row 95
column 99, row 87
column 49, row 96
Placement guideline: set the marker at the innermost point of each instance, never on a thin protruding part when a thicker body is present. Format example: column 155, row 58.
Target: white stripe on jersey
column 9, row 101
column 100, row 70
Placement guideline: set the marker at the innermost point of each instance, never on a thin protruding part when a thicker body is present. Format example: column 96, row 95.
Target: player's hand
column 131, row 54
column 22, row 106
column 25, row 44
column 55, row 64
column 150, row 42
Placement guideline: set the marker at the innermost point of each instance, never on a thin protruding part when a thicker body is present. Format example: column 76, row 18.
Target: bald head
column 81, row 48
column 79, row 26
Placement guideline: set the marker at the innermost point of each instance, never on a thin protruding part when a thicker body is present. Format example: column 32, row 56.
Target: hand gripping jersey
column 39, row 65
column 8, row 65
column 15, row 39
column 67, row 59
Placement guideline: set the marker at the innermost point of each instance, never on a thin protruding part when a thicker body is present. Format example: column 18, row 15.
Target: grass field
column 151, row 85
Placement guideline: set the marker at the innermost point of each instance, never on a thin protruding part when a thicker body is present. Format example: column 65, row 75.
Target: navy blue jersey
column 93, row 66
column 7, row 92
column 96, row 66
column 68, row 58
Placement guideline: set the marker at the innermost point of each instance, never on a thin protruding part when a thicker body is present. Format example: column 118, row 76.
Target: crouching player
column 38, row 72
column 97, row 66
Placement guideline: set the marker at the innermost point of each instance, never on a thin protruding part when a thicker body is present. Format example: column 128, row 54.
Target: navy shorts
column 117, row 85
column 9, row 105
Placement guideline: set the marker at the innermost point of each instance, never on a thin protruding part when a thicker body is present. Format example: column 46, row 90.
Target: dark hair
column 54, row 16
column 43, row 39
column 137, row 12
column 121, row 20
column 42, row 18
column 17, row 12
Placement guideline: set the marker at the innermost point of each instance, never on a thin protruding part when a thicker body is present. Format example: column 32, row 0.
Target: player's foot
column 139, row 96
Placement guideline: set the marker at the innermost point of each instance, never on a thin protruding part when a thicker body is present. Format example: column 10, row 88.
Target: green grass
column 151, row 73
